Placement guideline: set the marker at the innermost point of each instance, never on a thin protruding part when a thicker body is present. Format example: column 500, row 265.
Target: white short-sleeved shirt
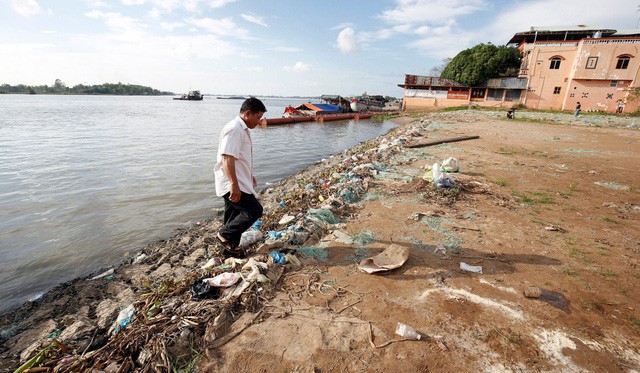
column 235, row 140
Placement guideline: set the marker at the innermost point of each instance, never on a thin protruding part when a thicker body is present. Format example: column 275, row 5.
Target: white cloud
column 118, row 22
column 170, row 26
column 298, row 67
column 287, row 49
column 343, row 26
column 96, row 3
column 255, row 69
column 347, row 40
column 253, row 19
column 155, row 13
column 220, row 3
column 132, row 2
column 26, row 7
column 436, row 11
column 222, row 27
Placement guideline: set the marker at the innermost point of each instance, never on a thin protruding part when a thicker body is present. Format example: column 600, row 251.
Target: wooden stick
column 438, row 142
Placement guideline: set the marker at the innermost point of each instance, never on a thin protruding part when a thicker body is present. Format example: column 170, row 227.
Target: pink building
column 566, row 65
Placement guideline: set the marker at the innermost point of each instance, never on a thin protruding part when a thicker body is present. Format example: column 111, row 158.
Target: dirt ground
column 550, row 205
column 522, row 178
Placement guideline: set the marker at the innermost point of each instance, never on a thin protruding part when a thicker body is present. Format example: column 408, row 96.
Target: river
column 87, row 180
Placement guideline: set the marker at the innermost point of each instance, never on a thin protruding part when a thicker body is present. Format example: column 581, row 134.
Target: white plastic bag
column 224, row 280
column 250, row 237
column 450, row 165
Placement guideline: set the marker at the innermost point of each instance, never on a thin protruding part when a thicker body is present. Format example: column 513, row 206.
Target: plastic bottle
column 407, row 332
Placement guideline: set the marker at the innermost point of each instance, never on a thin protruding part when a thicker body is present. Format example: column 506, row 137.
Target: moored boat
column 191, row 96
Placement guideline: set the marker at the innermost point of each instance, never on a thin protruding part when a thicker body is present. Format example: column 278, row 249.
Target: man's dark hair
column 252, row 104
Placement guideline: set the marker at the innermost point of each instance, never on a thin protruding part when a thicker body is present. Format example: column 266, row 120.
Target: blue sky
column 283, row 47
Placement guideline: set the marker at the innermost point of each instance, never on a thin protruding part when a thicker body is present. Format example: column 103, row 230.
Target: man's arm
column 229, row 167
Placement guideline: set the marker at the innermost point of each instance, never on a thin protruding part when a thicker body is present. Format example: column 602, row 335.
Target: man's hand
column 255, row 182
column 229, row 167
column 235, row 193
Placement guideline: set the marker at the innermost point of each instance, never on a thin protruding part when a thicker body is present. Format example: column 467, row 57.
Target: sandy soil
column 553, row 206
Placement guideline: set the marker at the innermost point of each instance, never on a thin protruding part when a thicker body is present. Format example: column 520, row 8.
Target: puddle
column 556, row 300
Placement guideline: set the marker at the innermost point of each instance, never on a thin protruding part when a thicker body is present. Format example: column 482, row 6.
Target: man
column 234, row 176
column 577, row 111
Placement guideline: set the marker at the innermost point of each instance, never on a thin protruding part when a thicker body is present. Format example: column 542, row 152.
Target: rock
column 533, row 292
column 106, row 312
column 75, row 331
column 28, row 342
column 194, row 258
column 162, row 271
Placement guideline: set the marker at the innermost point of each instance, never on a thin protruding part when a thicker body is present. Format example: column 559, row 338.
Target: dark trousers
column 239, row 216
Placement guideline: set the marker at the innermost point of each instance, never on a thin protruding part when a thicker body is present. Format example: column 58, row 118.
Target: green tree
column 475, row 65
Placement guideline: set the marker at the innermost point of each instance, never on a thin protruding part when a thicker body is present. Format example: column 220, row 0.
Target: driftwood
column 437, row 142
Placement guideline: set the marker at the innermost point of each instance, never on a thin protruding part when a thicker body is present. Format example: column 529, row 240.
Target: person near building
column 620, row 107
column 577, row 111
column 235, row 182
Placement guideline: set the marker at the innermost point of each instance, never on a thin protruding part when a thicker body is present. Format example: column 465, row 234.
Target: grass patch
column 634, row 321
column 569, row 191
column 454, row 108
column 609, row 220
column 533, row 198
column 576, row 253
column 608, row 273
column 501, row 182
column 509, row 336
column 570, row 270
column 622, row 290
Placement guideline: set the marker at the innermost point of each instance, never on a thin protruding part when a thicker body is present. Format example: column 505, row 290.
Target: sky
column 261, row 47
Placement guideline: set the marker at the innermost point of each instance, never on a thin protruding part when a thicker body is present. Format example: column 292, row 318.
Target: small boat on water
column 232, row 98
column 368, row 103
column 191, row 96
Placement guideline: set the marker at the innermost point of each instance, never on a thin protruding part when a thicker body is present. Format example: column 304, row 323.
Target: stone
column 106, row 312
column 29, row 341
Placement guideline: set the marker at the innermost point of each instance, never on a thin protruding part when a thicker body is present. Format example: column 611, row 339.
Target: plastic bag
column 450, row 165
column 250, row 237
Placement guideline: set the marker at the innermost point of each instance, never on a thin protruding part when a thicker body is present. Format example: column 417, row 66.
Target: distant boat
column 368, row 103
column 191, row 96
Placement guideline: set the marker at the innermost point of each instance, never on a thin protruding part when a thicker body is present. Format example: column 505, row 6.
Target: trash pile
column 181, row 315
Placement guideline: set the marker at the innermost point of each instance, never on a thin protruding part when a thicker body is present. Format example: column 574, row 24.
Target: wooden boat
column 319, row 118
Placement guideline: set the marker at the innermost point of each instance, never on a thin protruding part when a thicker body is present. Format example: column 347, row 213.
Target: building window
column 614, row 83
column 495, row 94
column 512, row 95
column 555, row 63
column 556, row 90
column 623, row 62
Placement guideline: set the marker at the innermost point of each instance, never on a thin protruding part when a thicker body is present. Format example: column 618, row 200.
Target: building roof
column 560, row 33
column 630, row 32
